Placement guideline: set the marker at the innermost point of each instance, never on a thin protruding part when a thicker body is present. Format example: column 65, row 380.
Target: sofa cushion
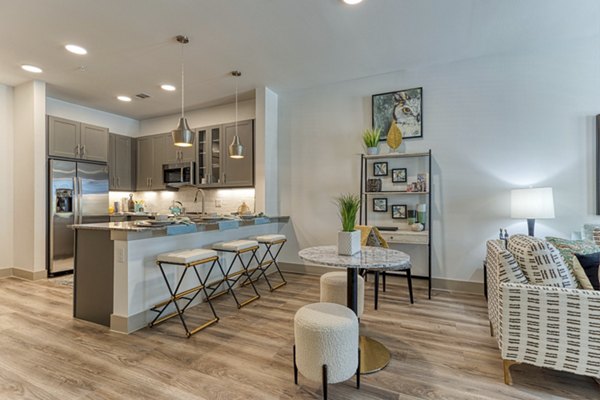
column 541, row 262
column 581, row 276
column 568, row 248
column 590, row 264
column 508, row 268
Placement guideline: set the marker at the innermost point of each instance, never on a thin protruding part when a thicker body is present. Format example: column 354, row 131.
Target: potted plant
column 371, row 139
column 348, row 237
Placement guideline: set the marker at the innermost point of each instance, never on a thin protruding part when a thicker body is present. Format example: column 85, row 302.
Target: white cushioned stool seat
column 235, row 245
column 334, row 290
column 186, row 256
column 269, row 238
column 326, row 334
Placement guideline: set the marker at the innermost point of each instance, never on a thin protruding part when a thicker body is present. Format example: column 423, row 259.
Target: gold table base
column 374, row 356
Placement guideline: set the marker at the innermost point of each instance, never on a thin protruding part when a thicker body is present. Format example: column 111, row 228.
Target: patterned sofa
column 555, row 326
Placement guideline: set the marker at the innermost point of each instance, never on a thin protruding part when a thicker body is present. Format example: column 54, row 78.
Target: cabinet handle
column 76, row 150
column 224, row 178
column 83, row 150
column 118, row 181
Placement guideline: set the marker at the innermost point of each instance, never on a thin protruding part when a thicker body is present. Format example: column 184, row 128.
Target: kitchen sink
column 206, row 219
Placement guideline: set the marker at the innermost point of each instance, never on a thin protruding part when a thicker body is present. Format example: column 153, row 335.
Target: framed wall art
column 402, row 107
column 399, row 175
column 399, row 211
column 380, row 168
column 380, row 205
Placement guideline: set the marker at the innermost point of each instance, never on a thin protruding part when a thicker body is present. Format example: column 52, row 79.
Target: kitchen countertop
column 130, row 226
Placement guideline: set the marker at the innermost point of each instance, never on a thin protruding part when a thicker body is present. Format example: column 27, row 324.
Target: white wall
column 199, row 118
column 29, row 176
column 6, row 175
column 493, row 124
column 115, row 123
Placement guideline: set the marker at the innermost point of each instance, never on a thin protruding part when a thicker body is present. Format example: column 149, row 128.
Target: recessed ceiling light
column 31, row 68
column 73, row 48
column 352, row 2
column 124, row 98
column 167, row 87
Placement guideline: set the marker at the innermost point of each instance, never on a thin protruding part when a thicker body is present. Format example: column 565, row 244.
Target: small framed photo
column 399, row 175
column 380, row 205
column 380, row 168
column 399, row 211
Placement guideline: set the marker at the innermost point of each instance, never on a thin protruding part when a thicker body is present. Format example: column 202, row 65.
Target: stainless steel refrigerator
column 78, row 194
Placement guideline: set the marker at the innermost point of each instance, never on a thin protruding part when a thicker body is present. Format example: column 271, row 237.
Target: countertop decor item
column 348, row 237
column 401, row 108
column 236, row 150
column 371, row 140
column 182, row 135
column 530, row 204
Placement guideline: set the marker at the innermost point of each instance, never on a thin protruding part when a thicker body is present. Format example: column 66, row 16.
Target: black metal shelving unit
column 366, row 196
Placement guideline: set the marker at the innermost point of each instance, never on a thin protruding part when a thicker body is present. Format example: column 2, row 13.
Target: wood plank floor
column 441, row 349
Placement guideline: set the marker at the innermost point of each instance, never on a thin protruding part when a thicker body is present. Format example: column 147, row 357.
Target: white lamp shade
column 532, row 203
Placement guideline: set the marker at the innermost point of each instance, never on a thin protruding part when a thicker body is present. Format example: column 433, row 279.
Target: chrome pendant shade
column 236, row 150
column 182, row 135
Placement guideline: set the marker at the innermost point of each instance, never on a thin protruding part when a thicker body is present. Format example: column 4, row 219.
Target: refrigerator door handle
column 79, row 201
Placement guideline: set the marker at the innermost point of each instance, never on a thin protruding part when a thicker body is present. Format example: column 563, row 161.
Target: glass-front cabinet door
column 209, row 156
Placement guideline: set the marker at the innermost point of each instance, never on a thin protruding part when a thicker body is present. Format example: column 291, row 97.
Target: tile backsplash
column 228, row 199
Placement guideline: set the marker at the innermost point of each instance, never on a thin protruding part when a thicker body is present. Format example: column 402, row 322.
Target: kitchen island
column 116, row 280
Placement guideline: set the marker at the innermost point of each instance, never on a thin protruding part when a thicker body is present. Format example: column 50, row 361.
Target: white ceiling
column 283, row 44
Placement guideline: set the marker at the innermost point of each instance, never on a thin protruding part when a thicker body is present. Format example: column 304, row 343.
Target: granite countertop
column 130, row 226
column 367, row 258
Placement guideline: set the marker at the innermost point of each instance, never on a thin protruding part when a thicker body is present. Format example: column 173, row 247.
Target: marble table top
column 368, row 258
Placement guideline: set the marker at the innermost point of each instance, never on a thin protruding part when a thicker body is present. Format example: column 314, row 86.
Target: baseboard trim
column 436, row 283
column 6, row 272
column 129, row 324
column 23, row 274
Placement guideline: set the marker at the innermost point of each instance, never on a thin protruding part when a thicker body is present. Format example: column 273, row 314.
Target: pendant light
column 236, row 150
column 182, row 135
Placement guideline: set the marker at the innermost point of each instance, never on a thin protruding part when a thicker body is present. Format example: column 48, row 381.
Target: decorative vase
column 371, row 151
column 348, row 243
column 394, row 137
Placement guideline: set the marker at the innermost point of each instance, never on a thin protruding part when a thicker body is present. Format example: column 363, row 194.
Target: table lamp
column 530, row 204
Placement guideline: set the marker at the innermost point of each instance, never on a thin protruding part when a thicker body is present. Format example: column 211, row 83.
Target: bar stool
column 187, row 259
column 264, row 264
column 237, row 247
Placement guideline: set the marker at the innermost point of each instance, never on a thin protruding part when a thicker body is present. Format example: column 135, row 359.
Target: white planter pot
column 371, row 151
column 348, row 243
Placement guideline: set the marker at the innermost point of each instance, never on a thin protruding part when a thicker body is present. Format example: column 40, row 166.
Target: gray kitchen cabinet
column 150, row 159
column 63, row 137
column 175, row 154
column 121, row 162
column 72, row 139
column 93, row 142
column 208, row 167
column 145, row 163
column 238, row 172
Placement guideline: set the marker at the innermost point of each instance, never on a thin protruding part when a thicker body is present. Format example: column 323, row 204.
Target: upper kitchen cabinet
column 63, row 137
column 94, row 143
column 151, row 156
column 238, row 172
column 121, row 162
column 209, row 156
column 175, row 154
column 72, row 139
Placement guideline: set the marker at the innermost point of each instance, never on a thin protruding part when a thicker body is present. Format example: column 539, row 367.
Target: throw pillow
column 580, row 274
column 541, row 262
column 590, row 264
column 509, row 270
column 568, row 248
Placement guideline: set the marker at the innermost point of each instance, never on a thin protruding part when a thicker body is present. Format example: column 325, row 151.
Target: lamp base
column 530, row 226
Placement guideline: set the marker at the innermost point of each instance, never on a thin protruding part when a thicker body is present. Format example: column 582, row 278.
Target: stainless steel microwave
column 177, row 175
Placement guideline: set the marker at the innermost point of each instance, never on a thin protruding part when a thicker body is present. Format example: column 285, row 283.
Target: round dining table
column 374, row 355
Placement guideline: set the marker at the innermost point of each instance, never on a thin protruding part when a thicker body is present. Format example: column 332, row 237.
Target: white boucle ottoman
column 334, row 290
column 326, row 334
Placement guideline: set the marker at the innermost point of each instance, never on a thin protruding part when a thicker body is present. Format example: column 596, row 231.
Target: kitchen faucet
column 198, row 190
